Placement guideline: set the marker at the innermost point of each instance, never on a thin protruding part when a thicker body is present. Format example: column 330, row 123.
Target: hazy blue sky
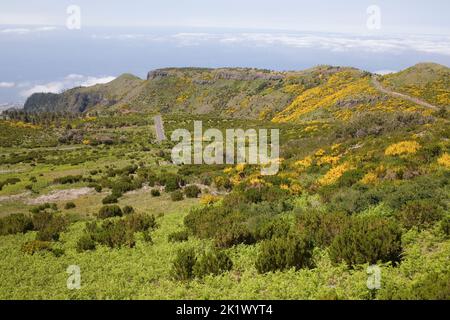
column 417, row 16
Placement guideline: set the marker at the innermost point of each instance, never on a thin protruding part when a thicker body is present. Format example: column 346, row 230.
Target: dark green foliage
column 233, row 234
column 155, row 193
column 177, row 195
column 110, row 199
column 291, row 251
column 171, row 182
column 178, row 236
column 367, row 240
column 272, row 228
column 49, row 226
column 69, row 205
column 445, row 225
column 68, row 179
column 35, row 246
column 96, row 186
column 113, row 234
column 128, row 210
column 212, row 262
column 85, row 243
column 15, row 223
column 420, row 214
column 109, row 212
column 192, row 191
column 183, row 265
column 321, row 227
column 140, row 222
column 44, row 207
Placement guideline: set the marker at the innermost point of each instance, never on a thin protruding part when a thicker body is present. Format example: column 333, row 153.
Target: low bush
column 68, row 179
column 177, row 195
column 69, row 205
column 32, row 247
column 291, row 251
column 44, row 207
column 420, row 214
column 178, row 236
column 368, row 239
column 155, row 193
column 109, row 212
column 128, row 210
column 110, row 199
column 233, row 234
column 15, row 223
column 213, row 262
column 85, row 243
column 192, row 191
column 183, row 265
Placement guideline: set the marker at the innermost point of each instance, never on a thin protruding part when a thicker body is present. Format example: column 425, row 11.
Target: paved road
column 415, row 100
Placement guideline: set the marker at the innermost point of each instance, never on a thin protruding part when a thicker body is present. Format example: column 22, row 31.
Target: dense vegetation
column 364, row 180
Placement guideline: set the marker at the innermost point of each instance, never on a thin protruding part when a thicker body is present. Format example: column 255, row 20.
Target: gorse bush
column 110, row 199
column 192, row 191
column 155, row 193
column 109, row 212
column 15, row 223
column 177, row 195
column 233, row 234
column 187, row 265
column 291, row 251
column 49, row 226
column 44, row 207
column 420, row 214
column 68, row 179
column 85, row 243
column 212, row 262
column 69, row 205
column 178, row 236
column 368, row 239
column 35, row 246
column 183, row 265
column 117, row 233
column 128, row 210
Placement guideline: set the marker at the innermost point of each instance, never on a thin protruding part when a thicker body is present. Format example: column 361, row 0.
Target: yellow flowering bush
column 334, row 174
column 370, row 178
column 209, row 199
column 444, row 160
column 305, row 163
column 404, row 147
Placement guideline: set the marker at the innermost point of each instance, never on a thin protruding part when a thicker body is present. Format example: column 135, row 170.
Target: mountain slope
column 320, row 93
column 428, row 81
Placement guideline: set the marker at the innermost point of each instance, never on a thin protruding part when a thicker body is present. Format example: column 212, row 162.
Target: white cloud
column 70, row 81
column 22, row 31
column 332, row 42
column 7, row 84
column 384, row 72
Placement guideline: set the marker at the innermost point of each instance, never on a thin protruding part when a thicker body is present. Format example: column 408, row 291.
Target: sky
column 416, row 16
column 40, row 53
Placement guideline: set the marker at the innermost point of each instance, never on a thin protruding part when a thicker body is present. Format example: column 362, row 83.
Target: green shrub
column 113, row 234
column 233, row 234
column 212, row 263
column 32, row 247
column 109, row 212
column 177, row 196
column 445, row 225
column 69, row 205
column 85, row 243
column 183, row 265
column 155, row 193
column 273, row 228
column 420, row 214
column 368, row 239
column 50, row 228
column 98, row 188
column 128, row 210
column 68, row 179
column 110, row 199
column 15, row 223
column 192, row 191
column 140, row 222
column 291, row 251
column 321, row 227
column 178, row 236
column 43, row 207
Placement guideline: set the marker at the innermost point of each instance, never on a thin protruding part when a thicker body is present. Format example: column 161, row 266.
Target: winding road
column 415, row 100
